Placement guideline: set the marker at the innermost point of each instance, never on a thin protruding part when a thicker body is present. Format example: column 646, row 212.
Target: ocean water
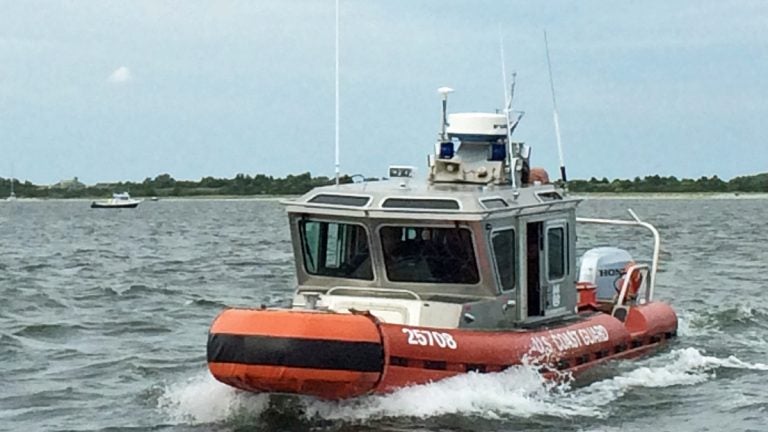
column 104, row 317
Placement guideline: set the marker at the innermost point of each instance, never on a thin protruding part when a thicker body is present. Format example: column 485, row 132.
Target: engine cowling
column 603, row 267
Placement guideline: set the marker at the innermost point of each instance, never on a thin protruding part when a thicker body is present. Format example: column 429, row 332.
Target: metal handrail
column 636, row 222
column 380, row 290
column 643, row 269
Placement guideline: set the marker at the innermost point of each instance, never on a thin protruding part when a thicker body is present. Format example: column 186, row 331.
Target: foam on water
column 201, row 399
column 690, row 324
column 720, row 320
column 683, row 367
column 519, row 392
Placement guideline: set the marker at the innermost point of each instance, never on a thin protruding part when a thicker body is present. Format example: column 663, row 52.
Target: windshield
column 425, row 254
column 335, row 249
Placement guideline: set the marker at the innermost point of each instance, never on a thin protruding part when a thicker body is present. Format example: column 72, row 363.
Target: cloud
column 120, row 75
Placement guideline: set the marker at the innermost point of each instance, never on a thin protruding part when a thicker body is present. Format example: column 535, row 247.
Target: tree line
column 671, row 184
column 166, row 186
column 246, row 185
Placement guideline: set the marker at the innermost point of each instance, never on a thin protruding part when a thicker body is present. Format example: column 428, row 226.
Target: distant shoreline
column 670, row 195
column 581, row 195
column 243, row 185
column 170, row 198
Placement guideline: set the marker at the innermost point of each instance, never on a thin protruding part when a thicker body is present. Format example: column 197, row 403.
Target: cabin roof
column 405, row 197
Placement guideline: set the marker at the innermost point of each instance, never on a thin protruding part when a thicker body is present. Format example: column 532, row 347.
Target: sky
column 125, row 90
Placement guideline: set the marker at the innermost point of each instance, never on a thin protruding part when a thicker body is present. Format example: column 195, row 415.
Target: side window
column 556, row 252
column 504, row 250
column 336, row 249
column 310, row 239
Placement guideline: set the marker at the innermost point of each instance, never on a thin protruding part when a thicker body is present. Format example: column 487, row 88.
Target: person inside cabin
column 427, row 254
column 362, row 267
column 403, row 249
column 449, row 255
column 359, row 259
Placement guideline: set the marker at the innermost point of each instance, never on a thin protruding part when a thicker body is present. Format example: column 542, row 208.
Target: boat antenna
column 336, row 137
column 12, row 195
column 508, row 107
column 554, row 114
column 507, row 101
column 444, row 92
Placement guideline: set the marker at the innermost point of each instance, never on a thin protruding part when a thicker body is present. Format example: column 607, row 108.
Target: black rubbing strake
column 295, row 352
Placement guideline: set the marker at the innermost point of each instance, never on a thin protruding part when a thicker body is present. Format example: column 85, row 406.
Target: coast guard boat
column 402, row 282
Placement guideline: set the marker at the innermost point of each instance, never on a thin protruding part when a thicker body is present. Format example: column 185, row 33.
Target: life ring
column 634, row 282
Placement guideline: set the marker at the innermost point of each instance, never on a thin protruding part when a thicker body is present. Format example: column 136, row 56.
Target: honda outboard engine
column 603, row 267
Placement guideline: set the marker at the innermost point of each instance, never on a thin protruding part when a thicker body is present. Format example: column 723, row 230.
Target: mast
column 554, row 114
column 13, row 194
column 336, row 137
column 444, row 92
column 508, row 110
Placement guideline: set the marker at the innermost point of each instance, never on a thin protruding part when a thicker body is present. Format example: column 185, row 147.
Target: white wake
column 517, row 392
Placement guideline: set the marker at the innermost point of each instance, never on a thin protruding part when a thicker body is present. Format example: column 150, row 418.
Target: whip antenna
column 336, row 137
column 554, row 114
column 508, row 97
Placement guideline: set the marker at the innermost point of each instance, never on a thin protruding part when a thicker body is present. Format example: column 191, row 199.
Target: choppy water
column 104, row 318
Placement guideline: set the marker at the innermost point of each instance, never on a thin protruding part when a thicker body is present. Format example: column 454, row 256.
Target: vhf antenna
column 336, row 137
column 507, row 107
column 557, row 120
column 508, row 97
column 444, row 92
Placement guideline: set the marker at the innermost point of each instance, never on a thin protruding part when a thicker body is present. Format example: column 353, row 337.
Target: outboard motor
column 604, row 266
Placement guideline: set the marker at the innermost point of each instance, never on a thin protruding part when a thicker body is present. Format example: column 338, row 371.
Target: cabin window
column 336, row 249
column 344, row 200
column 494, row 203
column 429, row 255
column 549, row 196
column 419, row 203
column 504, row 251
column 556, row 252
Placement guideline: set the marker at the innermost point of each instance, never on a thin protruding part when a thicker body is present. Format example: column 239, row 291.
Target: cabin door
column 546, row 265
column 554, row 257
column 534, row 260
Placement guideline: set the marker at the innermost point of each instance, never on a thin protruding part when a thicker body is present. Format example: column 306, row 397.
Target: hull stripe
column 295, row 352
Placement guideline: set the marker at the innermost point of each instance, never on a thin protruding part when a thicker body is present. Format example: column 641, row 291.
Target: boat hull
column 113, row 206
column 337, row 356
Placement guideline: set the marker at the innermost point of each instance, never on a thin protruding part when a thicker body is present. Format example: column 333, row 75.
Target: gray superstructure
column 481, row 243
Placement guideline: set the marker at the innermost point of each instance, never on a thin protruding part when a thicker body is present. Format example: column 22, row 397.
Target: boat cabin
column 484, row 256
column 480, row 244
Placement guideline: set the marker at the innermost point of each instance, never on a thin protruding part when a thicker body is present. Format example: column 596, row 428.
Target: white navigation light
column 445, row 91
column 401, row 171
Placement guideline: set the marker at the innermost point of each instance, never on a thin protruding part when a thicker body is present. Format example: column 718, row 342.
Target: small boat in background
column 12, row 195
column 118, row 200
